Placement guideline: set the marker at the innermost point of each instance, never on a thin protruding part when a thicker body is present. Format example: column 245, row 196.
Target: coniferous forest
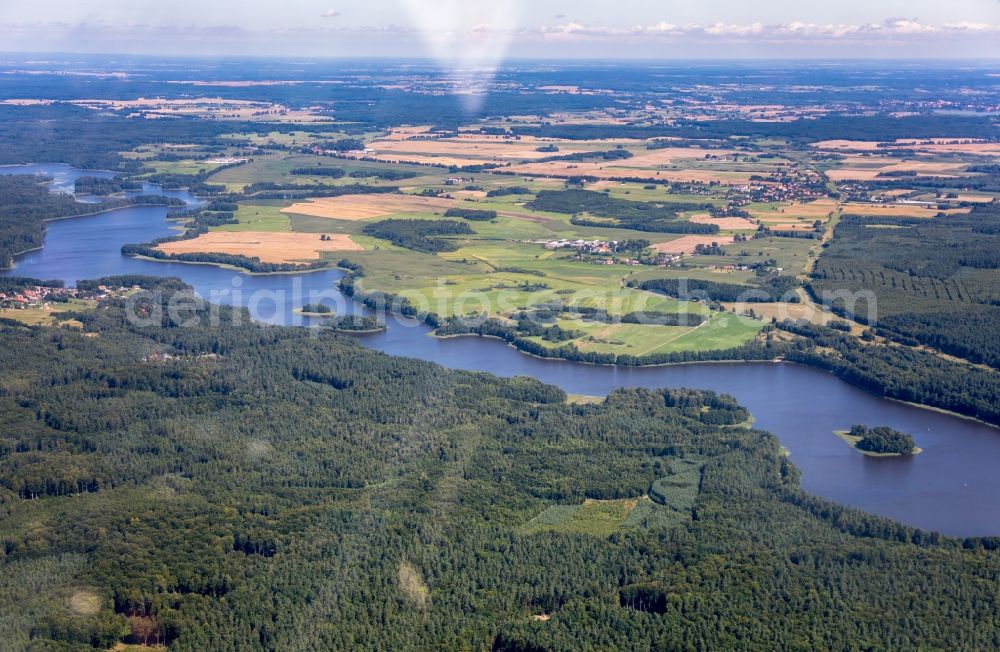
column 238, row 486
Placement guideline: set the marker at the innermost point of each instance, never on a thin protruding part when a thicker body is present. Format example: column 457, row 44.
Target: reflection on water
column 952, row 487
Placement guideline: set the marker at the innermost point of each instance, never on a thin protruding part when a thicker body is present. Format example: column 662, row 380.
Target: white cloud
column 330, row 13
column 470, row 36
column 720, row 29
column 796, row 30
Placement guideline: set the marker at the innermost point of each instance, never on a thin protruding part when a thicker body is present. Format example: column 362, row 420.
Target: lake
column 952, row 487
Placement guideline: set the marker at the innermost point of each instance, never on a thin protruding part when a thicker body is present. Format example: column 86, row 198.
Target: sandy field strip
column 364, row 207
column 939, row 146
column 605, row 170
column 685, row 245
column 669, row 155
column 781, row 311
column 267, row 246
column 977, row 199
column 898, row 210
column 810, row 211
column 725, row 223
column 923, row 169
column 468, row 149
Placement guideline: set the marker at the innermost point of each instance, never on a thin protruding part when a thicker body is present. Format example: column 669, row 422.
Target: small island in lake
column 355, row 324
column 315, row 310
column 880, row 441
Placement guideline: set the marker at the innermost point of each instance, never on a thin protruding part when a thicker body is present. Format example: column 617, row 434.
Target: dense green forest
column 260, row 488
column 355, row 324
column 420, row 235
column 848, row 127
column 764, row 290
column 65, row 133
column 935, row 282
column 883, row 440
column 471, row 214
column 899, row 372
column 624, row 213
column 332, row 173
column 102, row 186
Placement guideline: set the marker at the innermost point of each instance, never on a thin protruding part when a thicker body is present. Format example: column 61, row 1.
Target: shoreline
column 851, row 441
column 368, row 331
column 21, row 253
column 605, row 364
column 241, row 270
column 313, row 315
column 777, row 361
column 234, row 268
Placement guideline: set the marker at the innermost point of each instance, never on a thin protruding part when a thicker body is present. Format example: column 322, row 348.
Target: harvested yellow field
column 364, row 207
column 466, row 149
column 605, row 170
column 899, row 192
column 870, row 173
column 932, row 146
column 898, row 210
column 790, row 226
column 726, row 223
column 269, row 247
column 670, row 155
column 782, row 311
column 841, row 145
column 797, row 217
column 976, row 199
column 469, row 194
column 403, row 133
column 818, row 208
column 686, row 245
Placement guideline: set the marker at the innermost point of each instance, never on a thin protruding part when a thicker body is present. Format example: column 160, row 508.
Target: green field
column 503, row 267
column 669, row 503
column 259, row 216
column 595, row 518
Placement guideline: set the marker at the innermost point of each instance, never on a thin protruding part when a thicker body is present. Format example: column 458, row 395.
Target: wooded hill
column 935, row 282
column 261, row 488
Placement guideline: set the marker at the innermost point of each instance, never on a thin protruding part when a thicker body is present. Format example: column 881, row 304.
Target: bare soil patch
column 412, row 584
column 85, row 603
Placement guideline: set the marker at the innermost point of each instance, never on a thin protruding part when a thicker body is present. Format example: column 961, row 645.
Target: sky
column 477, row 31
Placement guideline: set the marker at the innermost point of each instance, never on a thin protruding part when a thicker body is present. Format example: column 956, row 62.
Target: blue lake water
column 952, row 487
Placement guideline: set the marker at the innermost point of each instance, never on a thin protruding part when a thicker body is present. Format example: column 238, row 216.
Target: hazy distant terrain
column 199, row 480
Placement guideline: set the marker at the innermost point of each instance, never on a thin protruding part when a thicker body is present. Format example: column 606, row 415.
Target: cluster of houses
column 796, row 189
column 745, row 268
column 583, row 246
column 35, row 297
column 39, row 296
